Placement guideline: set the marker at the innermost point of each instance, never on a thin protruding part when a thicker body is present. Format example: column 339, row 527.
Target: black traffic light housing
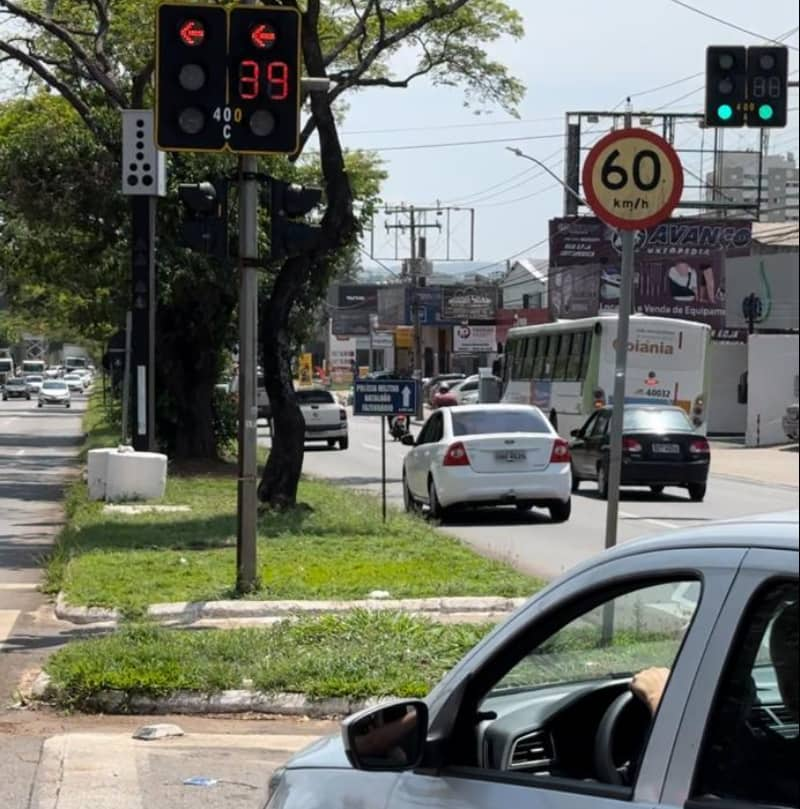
column 264, row 71
column 767, row 85
column 726, row 85
column 288, row 202
column 205, row 225
column 191, row 54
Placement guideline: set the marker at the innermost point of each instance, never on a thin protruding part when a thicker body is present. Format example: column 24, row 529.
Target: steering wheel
column 604, row 764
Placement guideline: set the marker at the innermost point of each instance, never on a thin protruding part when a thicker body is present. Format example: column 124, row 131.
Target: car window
column 479, row 422
column 667, row 420
column 308, row 397
column 589, row 425
column 437, row 428
column 750, row 751
column 632, row 632
column 600, row 424
column 54, row 386
column 426, row 432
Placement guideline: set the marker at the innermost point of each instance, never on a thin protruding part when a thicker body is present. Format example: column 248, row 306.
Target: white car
column 34, row 382
column 54, row 392
column 490, row 454
column 325, row 418
column 75, row 382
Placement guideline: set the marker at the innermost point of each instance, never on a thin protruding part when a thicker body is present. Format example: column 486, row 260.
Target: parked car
column 487, row 455
column 660, row 447
column 15, row 388
column 542, row 711
column 75, row 382
column 789, row 422
column 325, row 419
column 34, row 382
column 430, row 385
column 54, row 392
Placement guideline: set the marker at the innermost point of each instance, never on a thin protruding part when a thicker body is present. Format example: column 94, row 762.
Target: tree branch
column 113, row 93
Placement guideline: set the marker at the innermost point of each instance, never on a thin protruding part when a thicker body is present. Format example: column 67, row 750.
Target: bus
column 566, row 368
column 75, row 364
column 33, row 367
column 6, row 368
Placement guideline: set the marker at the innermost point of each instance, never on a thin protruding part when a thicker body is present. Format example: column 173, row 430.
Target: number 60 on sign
column 632, row 179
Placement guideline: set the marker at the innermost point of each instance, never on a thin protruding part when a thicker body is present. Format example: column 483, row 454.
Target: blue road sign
column 385, row 397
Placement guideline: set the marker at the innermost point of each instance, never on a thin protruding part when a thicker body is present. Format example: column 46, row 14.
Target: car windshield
column 15, row 383
column 33, row 378
column 307, row 397
column 54, row 386
column 495, row 420
column 657, row 421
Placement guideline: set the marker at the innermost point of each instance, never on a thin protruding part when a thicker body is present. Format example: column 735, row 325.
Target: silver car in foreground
column 542, row 714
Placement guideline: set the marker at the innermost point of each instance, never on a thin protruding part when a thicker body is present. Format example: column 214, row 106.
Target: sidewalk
column 770, row 465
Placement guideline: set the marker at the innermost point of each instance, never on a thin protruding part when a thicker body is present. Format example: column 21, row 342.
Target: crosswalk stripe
column 7, row 620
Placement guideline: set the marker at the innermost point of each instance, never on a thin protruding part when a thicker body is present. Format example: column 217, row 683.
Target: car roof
column 777, row 530
column 481, row 408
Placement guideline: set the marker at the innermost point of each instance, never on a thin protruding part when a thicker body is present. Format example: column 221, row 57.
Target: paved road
column 530, row 541
column 38, row 449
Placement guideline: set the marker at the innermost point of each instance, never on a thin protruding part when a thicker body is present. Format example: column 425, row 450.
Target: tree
column 352, row 45
column 97, row 58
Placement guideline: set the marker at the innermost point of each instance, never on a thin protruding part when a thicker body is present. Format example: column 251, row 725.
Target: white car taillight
column 456, row 455
column 560, row 452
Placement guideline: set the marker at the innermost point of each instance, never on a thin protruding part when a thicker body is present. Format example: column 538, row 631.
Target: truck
column 6, row 366
column 33, row 367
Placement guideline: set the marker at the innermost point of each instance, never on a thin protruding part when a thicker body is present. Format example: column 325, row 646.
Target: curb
column 190, row 612
column 225, row 702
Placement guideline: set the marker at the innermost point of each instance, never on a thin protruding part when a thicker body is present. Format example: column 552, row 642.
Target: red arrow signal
column 192, row 33
column 263, row 36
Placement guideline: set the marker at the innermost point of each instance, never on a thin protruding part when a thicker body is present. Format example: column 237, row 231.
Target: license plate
column 510, row 455
column 667, row 449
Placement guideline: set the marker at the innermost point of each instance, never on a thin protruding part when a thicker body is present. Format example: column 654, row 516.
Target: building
column 524, row 285
column 737, row 181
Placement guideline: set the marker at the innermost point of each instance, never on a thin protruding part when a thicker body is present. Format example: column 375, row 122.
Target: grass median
column 334, row 546
column 360, row 654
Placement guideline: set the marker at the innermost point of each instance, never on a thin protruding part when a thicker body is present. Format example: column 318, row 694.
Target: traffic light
column 726, row 85
column 205, row 227
column 264, row 79
column 191, row 58
column 287, row 202
column 767, row 85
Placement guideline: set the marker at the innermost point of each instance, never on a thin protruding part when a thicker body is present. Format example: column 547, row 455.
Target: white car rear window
column 479, row 422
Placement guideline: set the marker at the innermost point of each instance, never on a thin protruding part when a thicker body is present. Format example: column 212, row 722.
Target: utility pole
column 247, row 485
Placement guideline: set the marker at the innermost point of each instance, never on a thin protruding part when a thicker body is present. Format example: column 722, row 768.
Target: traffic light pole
column 623, row 324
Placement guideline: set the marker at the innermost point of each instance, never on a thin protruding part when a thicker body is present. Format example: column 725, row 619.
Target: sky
column 576, row 55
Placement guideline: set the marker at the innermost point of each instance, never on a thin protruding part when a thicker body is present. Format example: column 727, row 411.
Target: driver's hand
column 649, row 686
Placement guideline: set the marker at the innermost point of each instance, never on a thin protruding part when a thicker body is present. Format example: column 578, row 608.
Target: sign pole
column 383, row 464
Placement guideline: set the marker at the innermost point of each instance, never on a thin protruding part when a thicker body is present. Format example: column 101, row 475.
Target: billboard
column 474, row 339
column 354, row 305
column 680, row 268
column 773, row 280
column 469, row 303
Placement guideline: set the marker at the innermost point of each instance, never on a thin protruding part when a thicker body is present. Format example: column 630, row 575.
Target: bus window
column 552, row 352
column 562, row 358
column 527, row 363
column 575, row 367
column 541, row 355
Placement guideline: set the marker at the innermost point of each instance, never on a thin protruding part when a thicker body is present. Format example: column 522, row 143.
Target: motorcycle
column 398, row 427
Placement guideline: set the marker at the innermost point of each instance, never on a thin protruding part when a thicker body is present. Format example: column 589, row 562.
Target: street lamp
column 520, row 153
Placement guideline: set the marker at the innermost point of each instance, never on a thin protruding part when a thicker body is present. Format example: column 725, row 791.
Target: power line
column 457, row 143
column 435, row 127
column 727, row 22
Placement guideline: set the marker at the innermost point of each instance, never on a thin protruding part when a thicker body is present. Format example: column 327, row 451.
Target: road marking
column 660, row 523
column 373, row 447
column 7, row 620
column 19, row 452
column 27, row 585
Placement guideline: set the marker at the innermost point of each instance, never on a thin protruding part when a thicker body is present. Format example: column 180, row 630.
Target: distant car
column 789, row 422
column 541, row 712
column 485, row 455
column 325, row 419
column 52, row 373
column 431, row 384
column 660, row 447
column 86, row 374
column 385, row 375
column 75, row 382
column 54, row 392
column 16, row 388
column 34, row 382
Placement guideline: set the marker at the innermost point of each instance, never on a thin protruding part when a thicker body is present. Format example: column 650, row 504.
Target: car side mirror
column 408, row 440
column 576, row 433
column 388, row 738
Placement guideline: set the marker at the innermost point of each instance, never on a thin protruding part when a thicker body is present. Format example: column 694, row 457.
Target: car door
column 426, row 454
column 462, row 709
column 578, row 444
column 595, row 442
column 415, row 459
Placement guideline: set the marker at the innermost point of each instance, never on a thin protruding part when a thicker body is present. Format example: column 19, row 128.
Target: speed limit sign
column 632, row 179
